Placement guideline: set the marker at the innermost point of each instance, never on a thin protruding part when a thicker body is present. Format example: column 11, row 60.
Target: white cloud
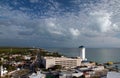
column 88, row 25
column 103, row 20
column 51, row 22
column 74, row 32
column 56, row 32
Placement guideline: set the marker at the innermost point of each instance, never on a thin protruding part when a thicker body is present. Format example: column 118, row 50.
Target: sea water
column 100, row 55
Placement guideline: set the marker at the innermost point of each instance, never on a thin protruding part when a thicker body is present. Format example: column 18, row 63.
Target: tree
column 58, row 67
column 10, row 67
column 55, row 67
column 1, row 63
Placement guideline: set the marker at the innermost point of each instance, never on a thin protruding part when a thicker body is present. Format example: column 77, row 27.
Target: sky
column 60, row 23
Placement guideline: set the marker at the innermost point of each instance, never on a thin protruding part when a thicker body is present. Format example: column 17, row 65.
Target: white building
column 37, row 75
column 3, row 71
column 113, row 75
column 77, row 74
column 63, row 61
column 27, row 57
column 98, row 68
column 70, row 74
column 82, row 53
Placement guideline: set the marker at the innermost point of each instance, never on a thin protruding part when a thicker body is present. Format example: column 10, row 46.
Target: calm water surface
column 100, row 55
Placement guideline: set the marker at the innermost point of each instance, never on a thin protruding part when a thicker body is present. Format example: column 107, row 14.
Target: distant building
column 63, row 61
column 82, row 53
column 113, row 75
column 37, row 75
column 88, row 64
column 3, row 71
column 70, row 74
column 27, row 57
column 98, row 68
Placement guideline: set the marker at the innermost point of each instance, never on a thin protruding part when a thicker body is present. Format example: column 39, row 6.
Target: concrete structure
column 3, row 70
column 88, row 64
column 37, row 75
column 98, row 68
column 27, row 57
column 69, row 74
column 113, row 75
column 77, row 74
column 82, row 52
column 63, row 61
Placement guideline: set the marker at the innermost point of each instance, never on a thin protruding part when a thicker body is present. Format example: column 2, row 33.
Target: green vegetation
column 23, row 51
column 1, row 63
column 5, row 52
column 10, row 67
column 79, row 77
column 11, row 56
column 57, row 67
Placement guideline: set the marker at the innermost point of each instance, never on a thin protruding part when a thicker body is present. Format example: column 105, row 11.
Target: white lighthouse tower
column 82, row 53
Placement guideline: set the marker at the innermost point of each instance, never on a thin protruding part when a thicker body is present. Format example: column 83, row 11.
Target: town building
column 70, row 74
column 63, row 61
column 37, row 75
column 113, row 74
column 3, row 70
column 88, row 64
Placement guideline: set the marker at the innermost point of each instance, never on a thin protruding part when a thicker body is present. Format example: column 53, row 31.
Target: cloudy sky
column 60, row 23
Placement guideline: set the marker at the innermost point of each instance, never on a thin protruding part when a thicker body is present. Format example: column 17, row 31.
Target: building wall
column 63, row 61
column 50, row 63
column 82, row 53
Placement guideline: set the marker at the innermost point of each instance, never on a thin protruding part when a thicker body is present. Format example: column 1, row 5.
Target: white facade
column 27, row 57
column 70, row 74
column 37, row 75
column 77, row 74
column 63, row 61
column 113, row 75
column 82, row 53
column 3, row 71
column 88, row 64
column 98, row 68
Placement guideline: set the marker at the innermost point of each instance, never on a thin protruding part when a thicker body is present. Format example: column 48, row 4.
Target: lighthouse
column 82, row 53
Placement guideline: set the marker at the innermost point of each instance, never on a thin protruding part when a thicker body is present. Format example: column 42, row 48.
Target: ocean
column 100, row 55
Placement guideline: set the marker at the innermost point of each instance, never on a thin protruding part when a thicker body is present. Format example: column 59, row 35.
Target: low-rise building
column 37, row 75
column 3, row 71
column 27, row 57
column 98, row 68
column 70, row 74
column 77, row 74
column 113, row 75
column 63, row 61
column 88, row 64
